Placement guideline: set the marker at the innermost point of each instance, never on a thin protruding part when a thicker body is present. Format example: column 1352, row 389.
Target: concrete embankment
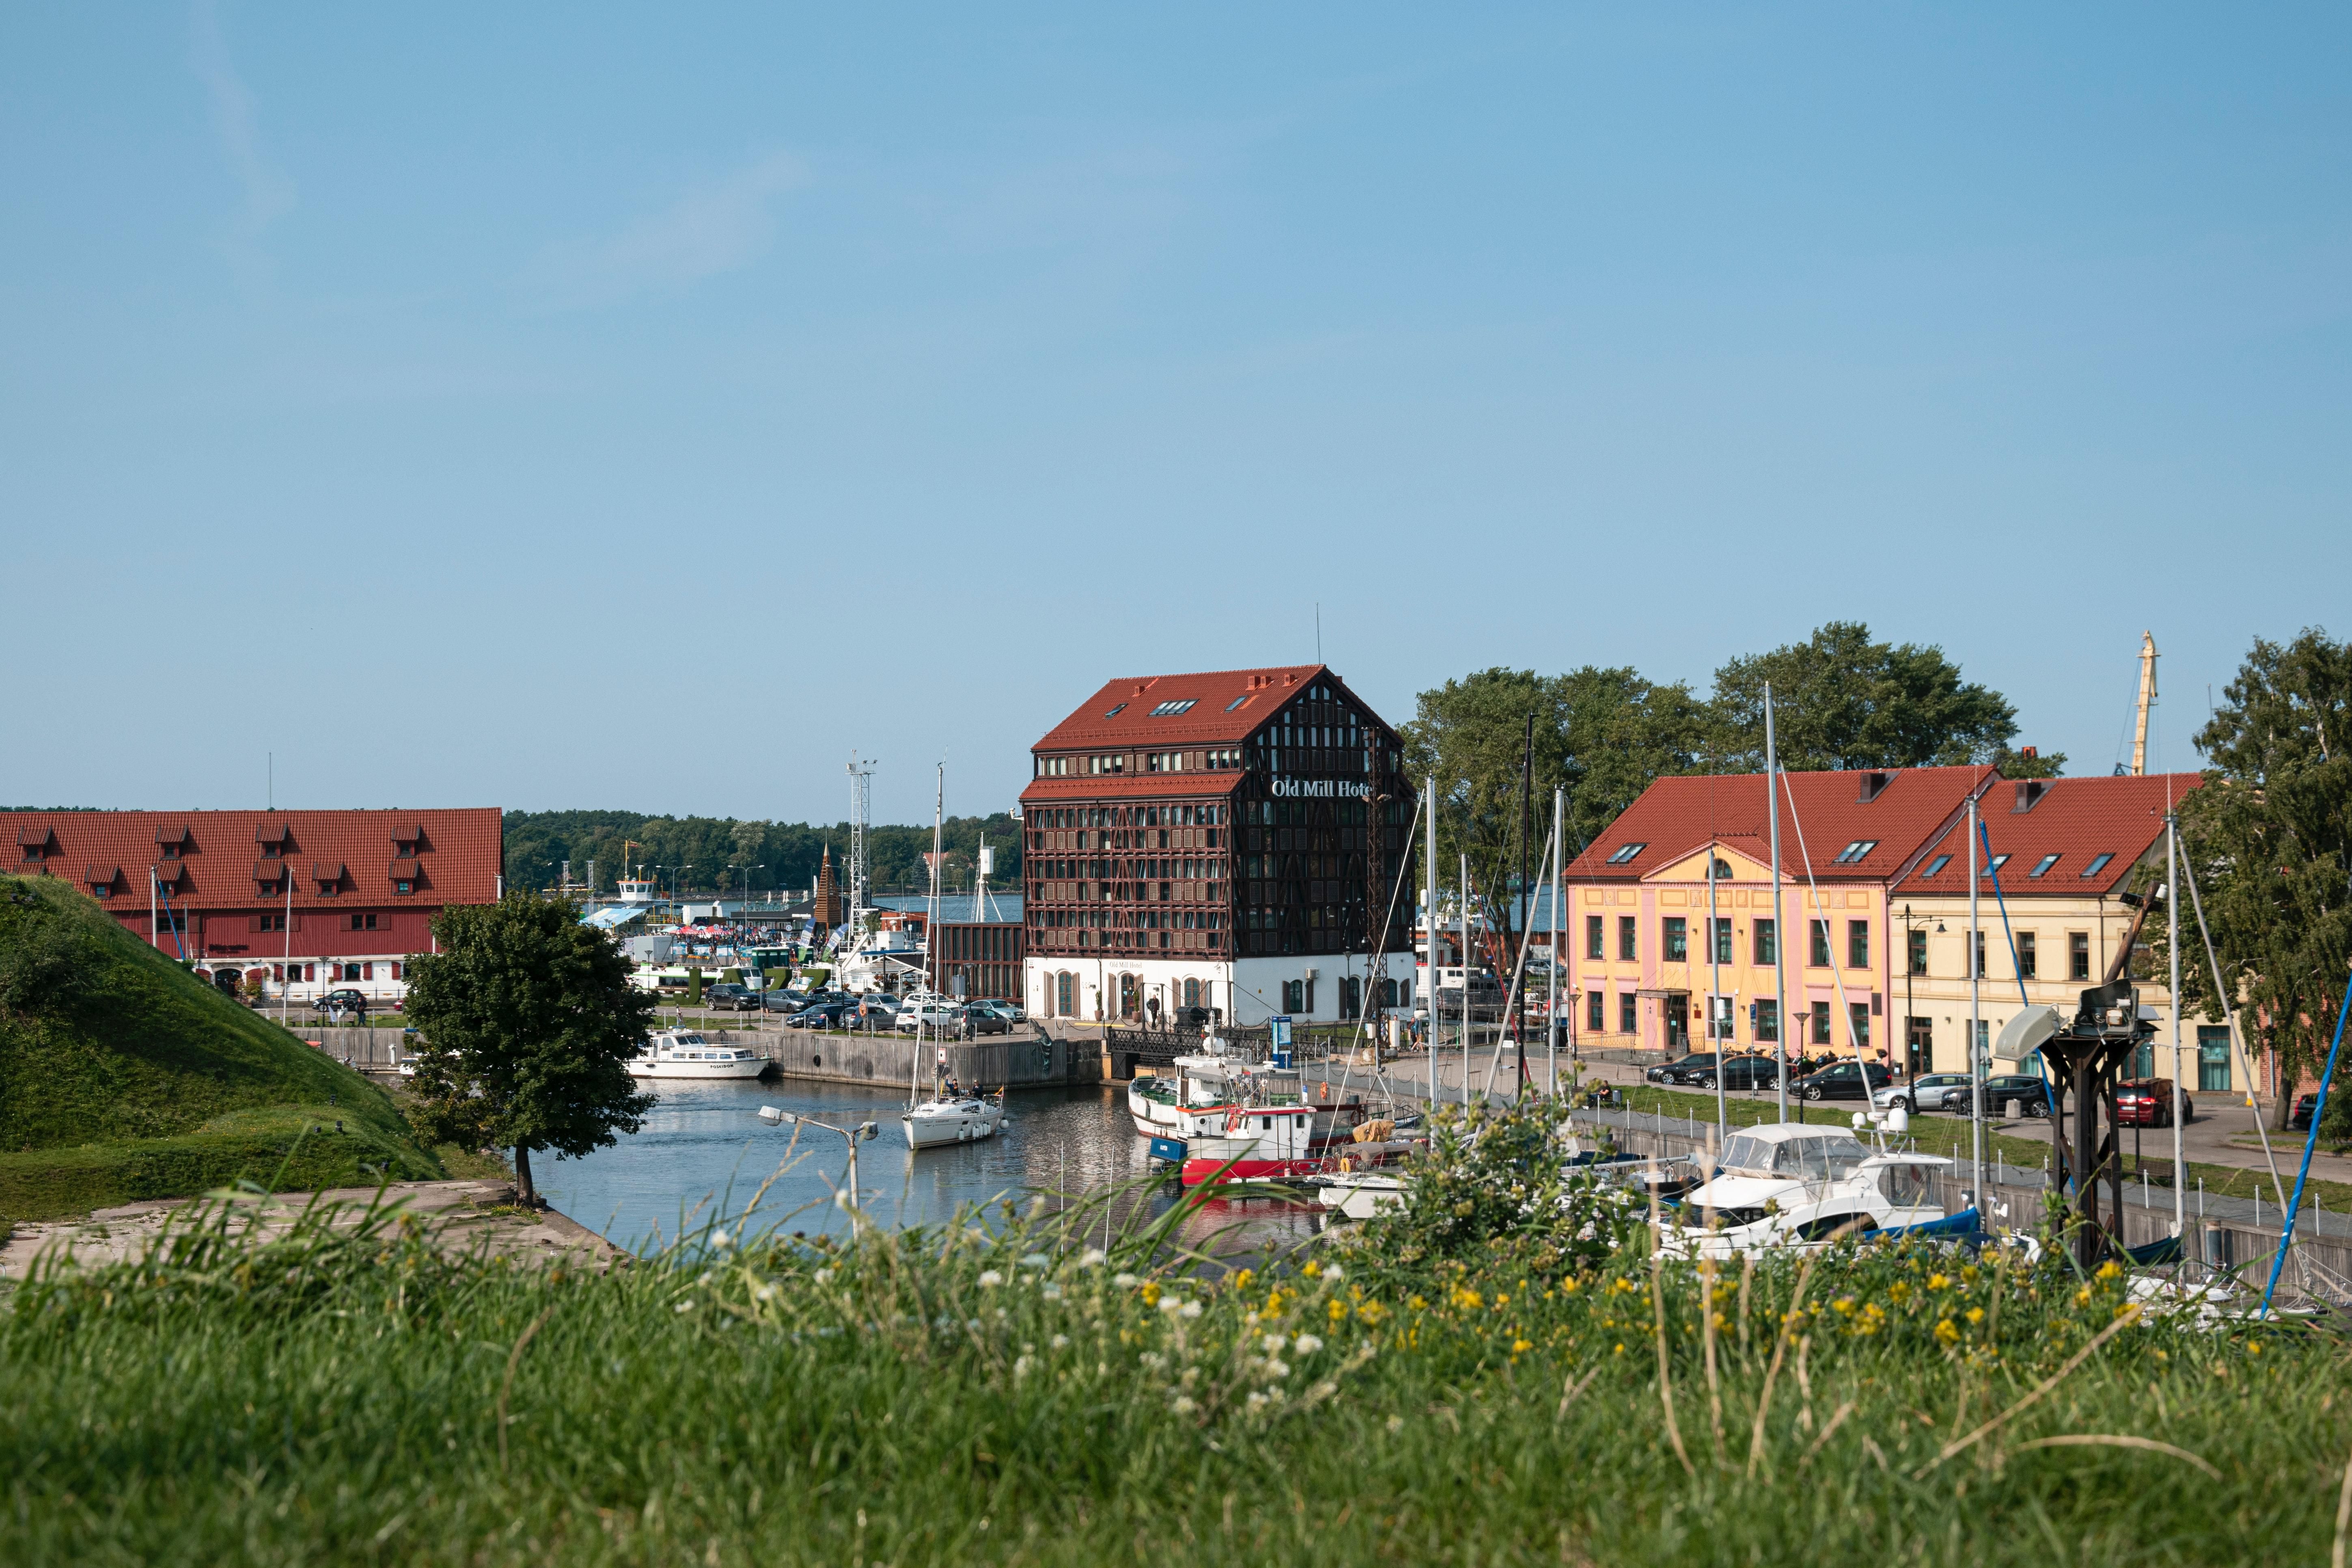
column 1020, row 1060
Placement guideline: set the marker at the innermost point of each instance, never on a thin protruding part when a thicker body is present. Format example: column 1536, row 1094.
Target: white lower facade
column 1144, row 988
column 383, row 980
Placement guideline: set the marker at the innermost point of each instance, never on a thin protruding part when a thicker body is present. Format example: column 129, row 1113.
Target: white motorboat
column 1151, row 1103
column 1786, row 1184
column 1359, row 1195
column 684, row 1053
column 953, row 1118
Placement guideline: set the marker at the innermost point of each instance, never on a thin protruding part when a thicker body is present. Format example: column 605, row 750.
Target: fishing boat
column 1153, row 1106
column 1281, row 1142
column 1786, row 1184
column 684, row 1053
column 953, row 1118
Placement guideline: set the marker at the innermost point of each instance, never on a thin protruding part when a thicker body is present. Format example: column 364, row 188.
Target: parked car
column 1747, row 1071
column 731, row 996
column 2148, row 1102
column 982, row 1018
column 1928, row 1091
column 933, row 1016
column 2299, row 1119
column 1012, row 1012
column 873, row 1011
column 1842, row 1081
column 818, row 1016
column 336, row 1003
column 2014, row 1094
column 785, row 1000
column 1682, row 1068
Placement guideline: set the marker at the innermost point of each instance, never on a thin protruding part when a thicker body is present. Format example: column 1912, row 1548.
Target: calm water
column 704, row 1145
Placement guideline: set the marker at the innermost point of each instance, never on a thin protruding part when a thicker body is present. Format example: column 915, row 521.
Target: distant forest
column 780, row 854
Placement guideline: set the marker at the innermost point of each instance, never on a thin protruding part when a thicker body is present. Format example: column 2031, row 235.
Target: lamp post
column 862, row 1132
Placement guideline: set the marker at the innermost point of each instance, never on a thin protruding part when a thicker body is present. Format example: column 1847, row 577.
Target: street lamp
column 863, row 1130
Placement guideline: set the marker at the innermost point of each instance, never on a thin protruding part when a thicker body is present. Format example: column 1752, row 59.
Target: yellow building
column 2073, row 863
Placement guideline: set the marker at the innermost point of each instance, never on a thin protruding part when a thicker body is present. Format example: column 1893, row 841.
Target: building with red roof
column 1872, row 864
column 300, row 902
column 1215, row 841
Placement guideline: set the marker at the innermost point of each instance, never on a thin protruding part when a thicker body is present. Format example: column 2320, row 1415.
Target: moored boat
column 953, row 1118
column 1786, row 1184
column 684, row 1053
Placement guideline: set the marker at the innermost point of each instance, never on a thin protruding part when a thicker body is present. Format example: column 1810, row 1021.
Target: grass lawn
column 124, row 1077
column 991, row 1394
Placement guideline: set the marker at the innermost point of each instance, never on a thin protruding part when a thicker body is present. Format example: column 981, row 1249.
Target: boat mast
column 861, row 783
column 1779, row 921
column 1558, row 946
column 1429, row 930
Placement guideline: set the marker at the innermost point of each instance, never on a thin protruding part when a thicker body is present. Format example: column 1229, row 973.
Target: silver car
column 1928, row 1091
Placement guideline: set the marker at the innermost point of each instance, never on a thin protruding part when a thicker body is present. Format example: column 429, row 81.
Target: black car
column 1842, row 1081
column 2013, row 1094
column 1683, row 1070
column 820, row 1016
column 337, row 1002
column 1740, row 1072
column 2299, row 1119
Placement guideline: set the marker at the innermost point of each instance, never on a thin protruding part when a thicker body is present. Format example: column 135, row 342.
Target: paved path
column 458, row 1213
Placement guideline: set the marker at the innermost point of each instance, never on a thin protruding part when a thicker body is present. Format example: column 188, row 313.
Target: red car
column 2148, row 1102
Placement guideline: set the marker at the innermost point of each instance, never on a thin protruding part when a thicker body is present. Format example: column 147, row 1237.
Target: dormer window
column 172, row 842
column 172, row 873
column 103, row 880
column 267, row 873
column 405, row 874
column 407, row 842
column 35, row 843
column 328, row 875
column 1625, row 853
column 275, row 840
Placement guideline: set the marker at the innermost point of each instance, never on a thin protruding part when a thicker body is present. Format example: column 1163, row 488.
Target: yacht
column 953, row 1118
column 1785, row 1185
column 684, row 1053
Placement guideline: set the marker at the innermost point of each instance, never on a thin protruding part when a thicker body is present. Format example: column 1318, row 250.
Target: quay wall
column 1014, row 1061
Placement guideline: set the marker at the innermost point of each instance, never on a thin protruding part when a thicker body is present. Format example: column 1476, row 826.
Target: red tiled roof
column 1676, row 816
column 461, row 857
column 1205, row 785
column 1228, row 705
column 2075, row 819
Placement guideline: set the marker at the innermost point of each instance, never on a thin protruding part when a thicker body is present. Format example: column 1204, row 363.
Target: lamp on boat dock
column 847, row 1196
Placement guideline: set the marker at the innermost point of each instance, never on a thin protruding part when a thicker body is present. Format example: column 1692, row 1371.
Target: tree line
column 710, row 853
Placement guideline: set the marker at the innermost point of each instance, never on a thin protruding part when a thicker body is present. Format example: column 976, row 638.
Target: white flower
column 765, row 1293
column 1273, row 1344
column 1307, row 1344
column 686, row 1306
column 1324, row 1389
column 1255, row 1400
column 1332, row 1272
column 1125, row 1281
column 1172, row 1304
column 1061, row 1341
column 1051, row 1291
column 1276, row 1369
column 1153, row 1360
column 1191, row 1309
column 1023, row 1367
column 1034, row 1261
column 823, row 1275
column 1276, row 1395
column 989, row 1278
column 721, row 1239
column 1183, row 1404
column 1092, row 1257
column 1396, row 1424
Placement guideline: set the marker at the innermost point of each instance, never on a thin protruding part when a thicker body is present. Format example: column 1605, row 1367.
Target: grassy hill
column 124, row 1077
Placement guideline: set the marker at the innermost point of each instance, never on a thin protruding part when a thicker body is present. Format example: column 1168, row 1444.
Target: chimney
column 1873, row 785
column 2028, row 795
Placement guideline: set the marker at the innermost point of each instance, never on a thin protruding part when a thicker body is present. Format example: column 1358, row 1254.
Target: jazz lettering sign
column 1322, row 789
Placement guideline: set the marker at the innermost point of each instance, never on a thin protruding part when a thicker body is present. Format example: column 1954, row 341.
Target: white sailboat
column 949, row 1116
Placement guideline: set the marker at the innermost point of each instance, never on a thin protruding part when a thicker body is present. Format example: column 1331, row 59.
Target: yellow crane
column 2146, row 701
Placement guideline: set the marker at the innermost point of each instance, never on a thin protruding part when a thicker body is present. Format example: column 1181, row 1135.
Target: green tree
column 1602, row 734
column 528, row 1020
column 2270, row 838
column 1841, row 701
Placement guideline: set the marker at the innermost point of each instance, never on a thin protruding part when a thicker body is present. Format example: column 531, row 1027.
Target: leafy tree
column 1841, row 701
column 1602, row 733
column 2270, row 838
column 528, row 1019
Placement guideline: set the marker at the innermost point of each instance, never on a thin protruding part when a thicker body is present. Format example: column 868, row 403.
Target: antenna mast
column 2146, row 701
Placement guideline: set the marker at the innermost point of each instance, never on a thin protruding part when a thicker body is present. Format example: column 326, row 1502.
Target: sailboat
column 949, row 1116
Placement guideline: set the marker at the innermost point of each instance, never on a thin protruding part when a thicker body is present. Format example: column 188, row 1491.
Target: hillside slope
column 124, row 1077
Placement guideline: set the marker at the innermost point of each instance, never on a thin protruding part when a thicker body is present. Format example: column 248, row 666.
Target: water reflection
column 704, row 1145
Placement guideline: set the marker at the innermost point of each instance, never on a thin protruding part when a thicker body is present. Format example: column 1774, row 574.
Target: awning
column 613, row 915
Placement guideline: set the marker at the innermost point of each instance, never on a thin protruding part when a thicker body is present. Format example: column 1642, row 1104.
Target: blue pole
column 2310, row 1142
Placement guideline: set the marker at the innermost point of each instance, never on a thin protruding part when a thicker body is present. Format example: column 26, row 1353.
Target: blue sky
column 602, row 406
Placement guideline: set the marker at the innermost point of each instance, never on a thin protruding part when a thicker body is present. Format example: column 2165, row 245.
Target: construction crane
column 2146, row 701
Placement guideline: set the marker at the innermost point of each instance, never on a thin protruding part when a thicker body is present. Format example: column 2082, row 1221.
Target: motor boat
column 953, row 1118
column 1789, row 1184
column 1153, row 1104
column 1359, row 1194
column 684, row 1053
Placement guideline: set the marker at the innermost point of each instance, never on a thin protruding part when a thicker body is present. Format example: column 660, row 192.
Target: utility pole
column 1558, row 946
column 1779, row 925
column 1527, row 900
column 1429, row 929
column 1976, row 1026
column 2172, row 941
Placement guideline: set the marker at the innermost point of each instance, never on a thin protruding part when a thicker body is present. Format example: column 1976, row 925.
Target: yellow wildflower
column 1242, row 1279
column 1312, row 1268
column 2108, row 1269
column 1938, row 1282
column 1947, row 1332
column 1150, row 1292
column 1975, row 1315
column 1521, row 1347
column 1338, row 1310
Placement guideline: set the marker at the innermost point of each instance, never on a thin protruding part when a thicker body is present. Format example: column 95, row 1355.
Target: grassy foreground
column 1439, row 1391
column 124, row 1077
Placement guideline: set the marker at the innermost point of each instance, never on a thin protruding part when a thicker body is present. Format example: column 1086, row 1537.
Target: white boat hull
column 952, row 1121
column 696, row 1069
column 683, row 1053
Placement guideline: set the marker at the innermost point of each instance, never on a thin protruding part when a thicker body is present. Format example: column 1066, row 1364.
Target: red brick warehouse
column 300, row 901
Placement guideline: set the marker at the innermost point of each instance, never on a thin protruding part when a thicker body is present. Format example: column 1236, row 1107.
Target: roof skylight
column 1626, row 853
column 2042, row 866
column 2097, row 864
column 1174, row 706
column 1937, row 864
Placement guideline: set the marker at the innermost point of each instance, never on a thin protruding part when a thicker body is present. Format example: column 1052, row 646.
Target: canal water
column 703, row 1150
